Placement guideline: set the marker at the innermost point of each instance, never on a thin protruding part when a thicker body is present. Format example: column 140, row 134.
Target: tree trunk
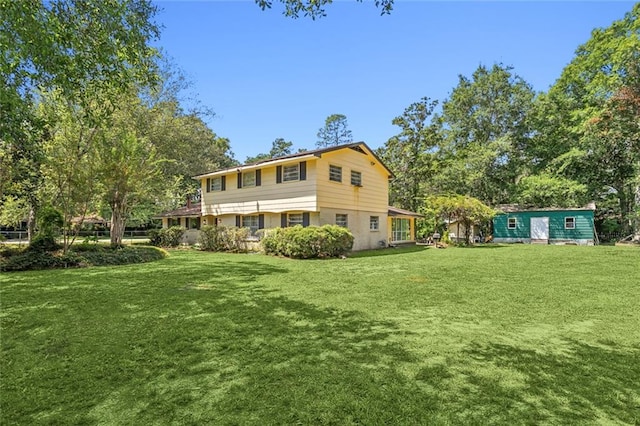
column 118, row 220
column 31, row 223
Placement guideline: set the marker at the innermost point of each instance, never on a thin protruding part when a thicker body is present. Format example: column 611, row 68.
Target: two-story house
column 346, row 185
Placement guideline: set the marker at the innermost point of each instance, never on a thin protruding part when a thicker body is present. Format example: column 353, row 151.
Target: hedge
column 308, row 242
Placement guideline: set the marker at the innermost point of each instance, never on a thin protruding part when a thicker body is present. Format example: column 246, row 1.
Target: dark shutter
column 258, row 177
column 208, row 184
column 198, row 223
column 303, row 170
column 238, row 220
column 239, row 180
column 178, row 222
column 279, row 174
column 223, row 181
column 283, row 220
column 260, row 221
column 305, row 219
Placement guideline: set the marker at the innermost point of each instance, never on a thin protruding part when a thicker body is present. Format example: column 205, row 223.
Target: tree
column 411, row 155
column 315, row 8
column 77, row 47
column 128, row 168
column 279, row 148
column 335, row 132
column 548, row 190
column 485, row 128
column 464, row 209
column 596, row 104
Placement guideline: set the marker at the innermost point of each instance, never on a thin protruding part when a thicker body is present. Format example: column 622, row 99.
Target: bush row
column 97, row 255
column 308, row 242
column 166, row 237
column 224, row 238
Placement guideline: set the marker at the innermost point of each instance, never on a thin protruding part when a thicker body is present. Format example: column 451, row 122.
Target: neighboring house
column 346, row 185
column 545, row 226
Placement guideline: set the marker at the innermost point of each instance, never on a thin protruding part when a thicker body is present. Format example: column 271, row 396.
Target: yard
column 498, row 334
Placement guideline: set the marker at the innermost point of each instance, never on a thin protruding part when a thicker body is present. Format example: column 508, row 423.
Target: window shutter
column 179, row 221
column 279, row 174
column 283, row 220
column 198, row 223
column 239, row 180
column 260, row 221
column 303, row 170
column 258, row 177
column 238, row 220
column 305, row 219
column 208, row 184
column 223, row 181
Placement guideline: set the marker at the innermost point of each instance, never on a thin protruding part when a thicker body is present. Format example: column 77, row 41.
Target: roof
column 394, row 211
column 193, row 210
column 358, row 146
column 515, row 208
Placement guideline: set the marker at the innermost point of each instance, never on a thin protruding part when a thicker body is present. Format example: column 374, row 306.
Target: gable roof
column 356, row 146
column 515, row 208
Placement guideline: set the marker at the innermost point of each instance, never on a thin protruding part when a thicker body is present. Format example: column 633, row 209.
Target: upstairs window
column 342, row 220
column 356, row 178
column 291, row 173
column 216, row 184
column 335, row 173
column 249, row 179
column 569, row 223
column 511, row 223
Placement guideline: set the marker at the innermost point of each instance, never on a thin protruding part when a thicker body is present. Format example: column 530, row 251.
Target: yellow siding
column 268, row 197
column 372, row 196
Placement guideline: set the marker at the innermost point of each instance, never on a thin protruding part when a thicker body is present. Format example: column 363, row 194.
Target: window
column 342, row 220
column 356, row 178
column 251, row 222
column 216, row 184
column 249, row 178
column 569, row 223
column 294, row 219
column 511, row 223
column 374, row 223
column 291, row 173
column 335, row 173
column 400, row 229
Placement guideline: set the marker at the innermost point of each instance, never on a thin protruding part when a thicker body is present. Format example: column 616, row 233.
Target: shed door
column 539, row 228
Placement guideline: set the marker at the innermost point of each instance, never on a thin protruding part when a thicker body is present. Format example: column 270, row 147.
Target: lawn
column 494, row 335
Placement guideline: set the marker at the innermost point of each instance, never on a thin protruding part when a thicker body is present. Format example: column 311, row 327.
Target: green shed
column 544, row 226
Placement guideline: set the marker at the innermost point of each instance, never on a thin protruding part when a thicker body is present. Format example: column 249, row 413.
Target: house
column 457, row 230
column 187, row 217
column 545, row 226
column 345, row 185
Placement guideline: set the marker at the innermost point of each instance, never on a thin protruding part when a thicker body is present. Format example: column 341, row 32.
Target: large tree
column 77, row 47
column 335, row 132
column 594, row 105
column 411, row 155
column 485, row 127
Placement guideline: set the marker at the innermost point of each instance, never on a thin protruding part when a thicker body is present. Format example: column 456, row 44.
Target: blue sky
column 267, row 76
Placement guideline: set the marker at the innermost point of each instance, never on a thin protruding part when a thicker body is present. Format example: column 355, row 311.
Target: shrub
column 99, row 255
column 122, row 255
column 43, row 243
column 308, row 242
column 223, row 238
column 166, row 237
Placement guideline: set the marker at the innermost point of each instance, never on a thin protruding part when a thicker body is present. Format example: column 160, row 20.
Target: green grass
column 496, row 335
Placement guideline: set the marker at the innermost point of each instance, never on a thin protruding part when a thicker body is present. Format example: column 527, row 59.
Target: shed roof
column 395, row 211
